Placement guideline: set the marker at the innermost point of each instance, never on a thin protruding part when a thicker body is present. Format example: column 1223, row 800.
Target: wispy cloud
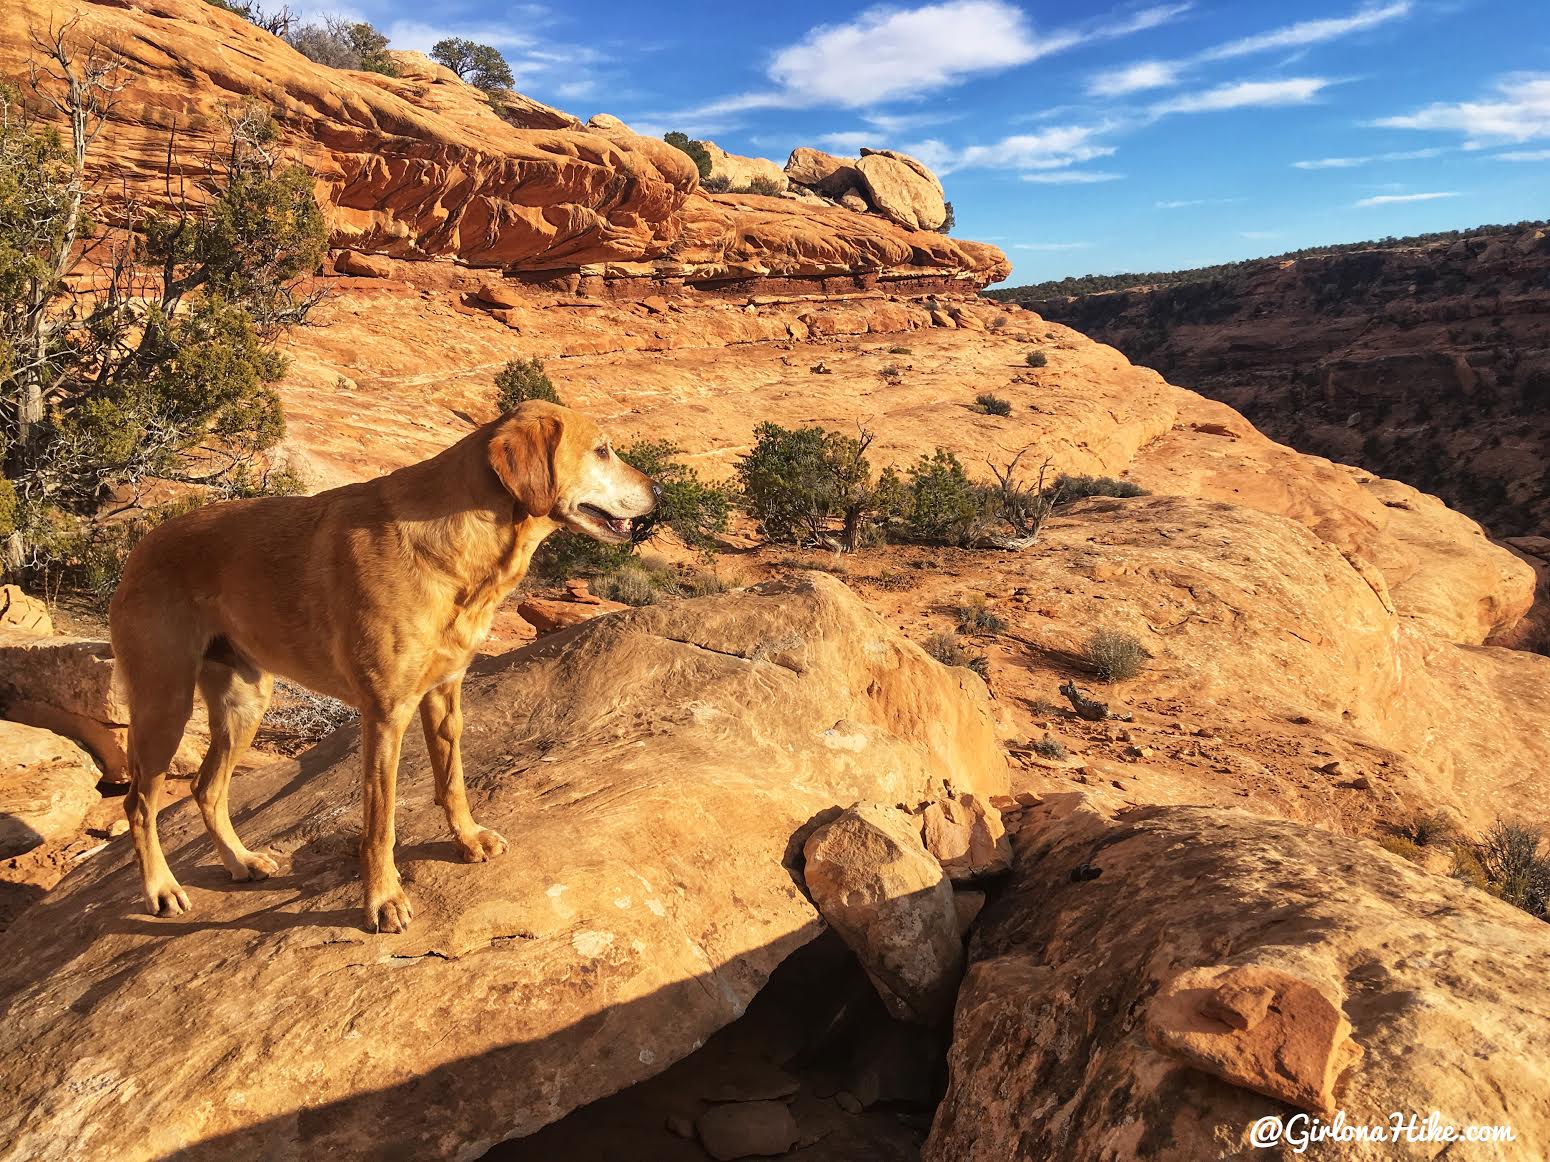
column 1246, row 94
column 1352, row 162
column 1518, row 110
column 893, row 53
column 538, row 63
column 1051, row 245
column 1394, row 199
column 1156, row 74
column 1186, row 203
column 1066, row 177
column 1523, row 155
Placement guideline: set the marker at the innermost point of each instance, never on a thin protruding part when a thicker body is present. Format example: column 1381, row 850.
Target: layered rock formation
column 1427, row 363
column 423, row 165
column 1152, row 984
column 657, row 771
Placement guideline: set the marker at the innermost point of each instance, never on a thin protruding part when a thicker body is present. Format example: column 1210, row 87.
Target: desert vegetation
column 160, row 368
column 697, row 153
column 1116, row 656
column 481, row 65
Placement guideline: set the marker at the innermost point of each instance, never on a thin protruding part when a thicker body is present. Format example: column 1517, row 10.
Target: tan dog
column 377, row 594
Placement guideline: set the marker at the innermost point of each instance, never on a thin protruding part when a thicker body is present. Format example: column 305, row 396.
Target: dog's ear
column 522, row 455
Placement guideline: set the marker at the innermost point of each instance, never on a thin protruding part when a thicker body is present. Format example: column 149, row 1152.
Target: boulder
column 747, row 1129
column 741, row 172
column 658, row 772
column 47, row 784
column 886, row 896
column 66, row 685
column 547, row 615
column 902, row 190
column 499, row 294
column 1153, row 982
column 21, row 612
column 966, row 836
column 353, row 262
column 821, row 171
column 853, row 200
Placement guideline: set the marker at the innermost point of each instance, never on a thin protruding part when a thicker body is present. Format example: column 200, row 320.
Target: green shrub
column 940, row 504
column 1070, row 488
column 1116, row 656
column 697, row 512
column 768, row 186
column 976, row 617
column 481, row 65
column 1036, row 359
column 645, row 581
column 696, row 151
column 1050, row 748
column 993, row 405
column 1425, row 828
column 717, row 184
column 521, row 380
column 799, row 483
column 947, row 649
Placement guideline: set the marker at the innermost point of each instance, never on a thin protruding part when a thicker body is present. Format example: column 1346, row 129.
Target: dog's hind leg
column 441, row 715
column 237, row 695
column 160, row 702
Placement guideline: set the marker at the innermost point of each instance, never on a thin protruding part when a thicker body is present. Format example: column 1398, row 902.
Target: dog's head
column 558, row 464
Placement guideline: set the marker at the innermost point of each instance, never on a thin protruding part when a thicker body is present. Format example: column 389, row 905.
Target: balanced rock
column 903, row 190
column 47, row 784
column 657, row 772
column 1221, row 966
column 886, row 896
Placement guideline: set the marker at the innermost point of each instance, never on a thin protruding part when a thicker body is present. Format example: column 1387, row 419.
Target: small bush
column 1512, row 854
column 993, row 405
column 1050, row 748
column 1070, row 488
column 947, row 649
column 1425, row 828
column 521, row 380
column 1116, row 656
column 344, row 44
column 1044, row 708
column 1036, row 359
column 769, row 187
column 697, row 152
column 1400, row 846
column 695, row 511
column 717, row 184
column 645, row 581
column 891, row 372
column 976, row 617
column 901, row 351
column 941, row 505
column 800, row 483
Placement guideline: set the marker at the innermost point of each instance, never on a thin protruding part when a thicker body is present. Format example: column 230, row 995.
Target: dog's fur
column 377, row 594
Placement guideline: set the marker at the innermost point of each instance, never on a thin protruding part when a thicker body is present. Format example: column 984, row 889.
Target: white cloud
column 849, row 143
column 1051, row 245
column 1064, row 177
column 1155, row 74
column 1246, row 94
column 1308, row 32
column 1054, row 148
column 1134, row 78
column 1394, row 199
column 1184, row 203
column 1351, row 162
column 560, row 70
column 1519, row 110
column 892, row 53
column 1524, row 155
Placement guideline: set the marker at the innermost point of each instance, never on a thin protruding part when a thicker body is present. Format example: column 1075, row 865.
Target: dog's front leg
column 382, row 734
column 441, row 714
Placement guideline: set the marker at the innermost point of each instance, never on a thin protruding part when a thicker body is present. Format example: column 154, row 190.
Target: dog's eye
column 602, row 452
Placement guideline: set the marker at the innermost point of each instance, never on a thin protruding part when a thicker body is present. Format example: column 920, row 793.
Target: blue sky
column 1083, row 139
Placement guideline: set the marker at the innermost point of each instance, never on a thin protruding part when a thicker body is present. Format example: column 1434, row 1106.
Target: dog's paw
column 254, row 865
column 166, row 898
column 486, row 845
column 388, row 912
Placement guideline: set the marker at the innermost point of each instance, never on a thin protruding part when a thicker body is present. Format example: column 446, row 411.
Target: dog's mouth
column 617, row 528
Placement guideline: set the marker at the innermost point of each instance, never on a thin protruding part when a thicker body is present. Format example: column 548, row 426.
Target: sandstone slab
column 47, row 784
column 657, row 771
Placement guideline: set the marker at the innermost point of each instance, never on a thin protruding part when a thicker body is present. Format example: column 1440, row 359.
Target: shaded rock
column 966, row 836
column 748, row 714
column 360, row 265
column 902, row 190
column 499, row 294
column 47, row 784
column 967, row 905
column 21, row 612
column 750, row 1129
column 1226, row 918
column 876, row 884
column 854, row 201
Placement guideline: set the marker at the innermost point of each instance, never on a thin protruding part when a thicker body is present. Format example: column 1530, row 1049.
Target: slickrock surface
column 656, row 772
